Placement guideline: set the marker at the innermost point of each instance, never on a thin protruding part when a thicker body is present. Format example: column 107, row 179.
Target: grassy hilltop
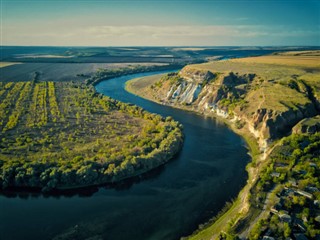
column 267, row 95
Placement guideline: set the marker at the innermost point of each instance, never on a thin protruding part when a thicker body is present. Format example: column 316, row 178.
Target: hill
column 265, row 95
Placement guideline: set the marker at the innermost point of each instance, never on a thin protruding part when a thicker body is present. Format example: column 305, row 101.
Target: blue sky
column 160, row 23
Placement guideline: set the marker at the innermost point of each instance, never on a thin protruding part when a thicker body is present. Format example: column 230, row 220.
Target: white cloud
column 173, row 31
column 153, row 35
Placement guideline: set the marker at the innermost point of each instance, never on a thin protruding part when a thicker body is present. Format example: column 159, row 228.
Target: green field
column 64, row 135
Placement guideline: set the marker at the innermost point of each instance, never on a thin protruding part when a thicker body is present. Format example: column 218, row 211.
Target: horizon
column 179, row 23
column 170, row 46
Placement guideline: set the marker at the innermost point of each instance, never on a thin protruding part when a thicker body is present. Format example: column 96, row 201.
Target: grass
column 218, row 225
column 140, row 86
column 288, row 60
column 299, row 53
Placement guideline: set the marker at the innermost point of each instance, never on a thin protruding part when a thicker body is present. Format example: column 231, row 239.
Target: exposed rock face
column 196, row 75
column 241, row 97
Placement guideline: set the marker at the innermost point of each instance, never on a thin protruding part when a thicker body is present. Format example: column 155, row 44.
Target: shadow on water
column 26, row 193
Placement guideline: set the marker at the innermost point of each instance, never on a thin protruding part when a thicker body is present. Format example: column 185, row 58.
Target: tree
column 286, row 230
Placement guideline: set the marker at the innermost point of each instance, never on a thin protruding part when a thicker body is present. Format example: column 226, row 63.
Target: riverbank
column 187, row 179
column 240, row 207
column 260, row 101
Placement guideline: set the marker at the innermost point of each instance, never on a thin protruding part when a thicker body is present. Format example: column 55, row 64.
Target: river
column 167, row 203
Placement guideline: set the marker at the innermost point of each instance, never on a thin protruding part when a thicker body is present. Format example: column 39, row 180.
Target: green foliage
column 173, row 78
column 239, row 124
column 257, row 230
column 71, row 136
column 297, row 159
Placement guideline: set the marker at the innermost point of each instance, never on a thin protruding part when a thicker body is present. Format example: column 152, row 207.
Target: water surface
column 166, row 204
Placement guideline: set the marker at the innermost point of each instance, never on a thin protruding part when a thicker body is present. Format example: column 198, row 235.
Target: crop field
column 71, row 129
column 310, row 61
column 300, row 53
column 58, row 71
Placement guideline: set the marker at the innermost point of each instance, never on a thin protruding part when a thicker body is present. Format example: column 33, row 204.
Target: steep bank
column 266, row 101
column 259, row 101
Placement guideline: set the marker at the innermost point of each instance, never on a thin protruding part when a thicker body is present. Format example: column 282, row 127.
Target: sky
column 160, row 23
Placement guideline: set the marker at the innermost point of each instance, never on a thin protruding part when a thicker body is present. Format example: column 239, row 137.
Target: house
column 288, row 192
column 274, row 211
column 312, row 164
column 285, row 217
column 267, row 238
column 275, row 174
column 277, row 164
column 312, row 189
column 293, row 182
column 304, row 193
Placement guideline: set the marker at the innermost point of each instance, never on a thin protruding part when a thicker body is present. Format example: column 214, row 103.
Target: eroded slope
column 265, row 98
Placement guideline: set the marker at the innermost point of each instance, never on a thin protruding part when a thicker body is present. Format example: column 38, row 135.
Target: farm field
column 302, row 60
column 65, row 135
column 58, row 71
column 131, row 54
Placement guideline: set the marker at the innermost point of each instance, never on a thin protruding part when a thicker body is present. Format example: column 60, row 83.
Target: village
column 292, row 182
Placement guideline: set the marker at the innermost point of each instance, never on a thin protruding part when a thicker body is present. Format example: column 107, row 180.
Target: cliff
column 266, row 104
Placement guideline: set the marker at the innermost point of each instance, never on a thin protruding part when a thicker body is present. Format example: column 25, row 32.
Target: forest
column 59, row 135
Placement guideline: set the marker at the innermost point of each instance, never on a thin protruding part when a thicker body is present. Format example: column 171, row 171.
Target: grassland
column 65, row 135
column 140, row 86
column 286, row 60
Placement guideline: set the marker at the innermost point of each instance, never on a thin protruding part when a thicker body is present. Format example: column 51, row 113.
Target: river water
column 167, row 203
